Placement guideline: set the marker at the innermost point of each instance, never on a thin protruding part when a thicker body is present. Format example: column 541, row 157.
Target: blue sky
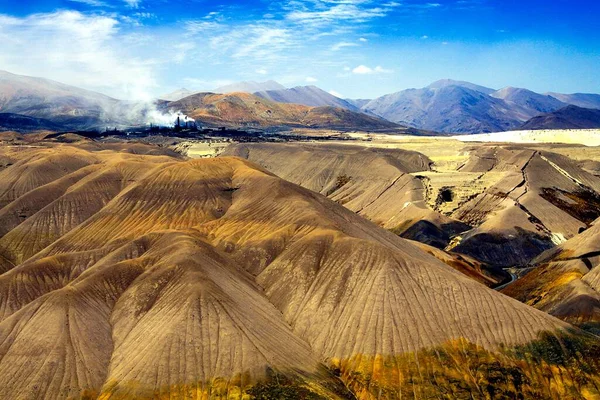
column 355, row 48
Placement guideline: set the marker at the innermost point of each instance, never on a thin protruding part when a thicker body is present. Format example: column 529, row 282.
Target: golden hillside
column 147, row 276
column 245, row 109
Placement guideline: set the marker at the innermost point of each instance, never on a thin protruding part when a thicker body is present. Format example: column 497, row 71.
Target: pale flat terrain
column 587, row 137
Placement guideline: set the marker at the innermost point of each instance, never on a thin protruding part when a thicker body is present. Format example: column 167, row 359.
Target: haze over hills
column 24, row 123
column 444, row 83
column 307, row 95
column 176, row 94
column 255, row 286
column 570, row 117
column 584, row 100
column 249, row 87
column 66, row 105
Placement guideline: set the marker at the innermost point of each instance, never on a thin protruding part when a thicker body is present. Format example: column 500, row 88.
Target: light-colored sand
column 587, row 137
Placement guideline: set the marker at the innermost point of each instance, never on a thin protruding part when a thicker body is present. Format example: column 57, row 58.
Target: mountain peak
column 442, row 83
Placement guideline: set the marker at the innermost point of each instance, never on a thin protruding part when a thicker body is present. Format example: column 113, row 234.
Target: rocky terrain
column 155, row 276
column 247, row 110
column 565, row 281
column 502, row 205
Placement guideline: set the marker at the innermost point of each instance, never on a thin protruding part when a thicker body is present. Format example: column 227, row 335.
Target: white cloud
column 262, row 71
column 83, row 50
column 364, row 70
column 310, row 79
column 364, row 40
column 336, row 94
column 341, row 45
column 424, row 37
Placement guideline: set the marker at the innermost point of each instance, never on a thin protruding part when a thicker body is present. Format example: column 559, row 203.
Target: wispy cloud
column 133, row 3
column 326, row 12
column 76, row 48
column 339, row 46
column 92, row 3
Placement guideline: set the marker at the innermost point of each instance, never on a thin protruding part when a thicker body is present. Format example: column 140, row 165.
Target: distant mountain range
column 56, row 103
column 445, row 106
column 247, row 110
column 570, row 117
column 306, row 95
column 23, row 123
column 462, row 107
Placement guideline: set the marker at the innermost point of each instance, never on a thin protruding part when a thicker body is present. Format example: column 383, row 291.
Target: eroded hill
column 138, row 276
column 500, row 204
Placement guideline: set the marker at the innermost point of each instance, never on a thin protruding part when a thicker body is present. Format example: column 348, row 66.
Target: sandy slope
column 201, row 278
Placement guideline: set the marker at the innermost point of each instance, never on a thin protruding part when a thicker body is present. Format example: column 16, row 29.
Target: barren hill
column 570, row 117
column 566, row 281
column 503, row 205
column 452, row 107
column 244, row 109
column 138, row 276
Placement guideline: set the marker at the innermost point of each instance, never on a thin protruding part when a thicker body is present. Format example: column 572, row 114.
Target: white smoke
column 145, row 113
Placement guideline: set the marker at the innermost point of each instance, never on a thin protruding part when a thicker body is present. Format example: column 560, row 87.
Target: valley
column 496, row 206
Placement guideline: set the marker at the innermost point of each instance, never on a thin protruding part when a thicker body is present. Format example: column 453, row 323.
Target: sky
column 140, row 49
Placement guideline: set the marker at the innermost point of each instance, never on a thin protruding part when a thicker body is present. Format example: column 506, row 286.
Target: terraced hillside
column 501, row 204
column 378, row 184
column 148, row 276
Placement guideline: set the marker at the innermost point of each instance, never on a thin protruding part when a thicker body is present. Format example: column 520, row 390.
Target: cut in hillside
column 566, row 281
column 503, row 205
column 148, row 276
column 247, row 110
